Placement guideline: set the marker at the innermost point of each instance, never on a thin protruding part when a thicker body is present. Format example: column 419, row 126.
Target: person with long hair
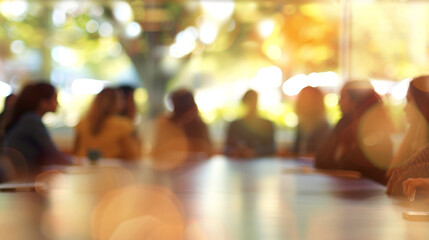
column 9, row 102
column 182, row 133
column 129, row 107
column 361, row 140
column 250, row 136
column 313, row 128
column 412, row 158
column 102, row 129
column 25, row 131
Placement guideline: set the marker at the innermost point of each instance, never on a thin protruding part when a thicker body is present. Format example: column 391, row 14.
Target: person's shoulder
column 30, row 118
column 236, row 122
column 266, row 122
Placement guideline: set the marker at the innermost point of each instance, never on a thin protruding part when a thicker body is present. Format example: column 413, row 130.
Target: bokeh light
column 208, row 32
column 121, row 214
column 59, row 17
column 92, row 26
column 133, row 29
column 185, row 42
column 291, row 119
column 218, row 11
column 106, row 29
column 274, row 52
column 65, row 56
column 122, row 11
column 14, row 9
column 265, row 28
column 87, row 86
column 331, row 99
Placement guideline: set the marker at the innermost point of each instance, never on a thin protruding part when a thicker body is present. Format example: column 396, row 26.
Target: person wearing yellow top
column 104, row 130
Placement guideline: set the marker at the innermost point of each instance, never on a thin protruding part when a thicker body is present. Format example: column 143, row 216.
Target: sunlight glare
column 87, row 86
column 219, row 11
column 399, row 91
column 5, row 89
column 13, row 9
column 65, row 56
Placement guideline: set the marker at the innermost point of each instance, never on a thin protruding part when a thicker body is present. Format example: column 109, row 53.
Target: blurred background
column 219, row 49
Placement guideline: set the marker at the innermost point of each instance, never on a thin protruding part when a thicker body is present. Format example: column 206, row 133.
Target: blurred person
column 103, row 129
column 417, row 135
column 250, row 136
column 183, row 131
column 413, row 161
column 313, row 128
column 9, row 102
column 129, row 107
column 27, row 134
column 361, row 140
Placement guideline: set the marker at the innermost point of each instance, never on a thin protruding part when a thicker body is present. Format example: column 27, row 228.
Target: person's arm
column 412, row 184
column 325, row 157
column 415, row 167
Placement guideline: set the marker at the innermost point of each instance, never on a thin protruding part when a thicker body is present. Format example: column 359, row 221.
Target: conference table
column 214, row 198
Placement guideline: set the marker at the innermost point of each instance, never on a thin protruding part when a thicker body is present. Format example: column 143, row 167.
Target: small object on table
column 416, row 216
column 93, row 155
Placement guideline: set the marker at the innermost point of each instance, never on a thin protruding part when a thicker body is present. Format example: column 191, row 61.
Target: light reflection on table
column 218, row 198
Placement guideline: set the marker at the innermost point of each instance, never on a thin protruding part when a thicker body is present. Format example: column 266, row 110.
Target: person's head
column 38, row 97
column 9, row 101
column 310, row 105
column 183, row 103
column 250, row 101
column 418, row 99
column 107, row 102
column 129, row 107
column 357, row 96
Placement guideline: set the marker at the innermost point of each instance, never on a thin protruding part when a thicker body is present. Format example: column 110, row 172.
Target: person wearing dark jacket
column 361, row 140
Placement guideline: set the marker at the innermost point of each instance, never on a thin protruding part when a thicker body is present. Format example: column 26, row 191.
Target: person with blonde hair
column 313, row 128
column 102, row 129
column 183, row 130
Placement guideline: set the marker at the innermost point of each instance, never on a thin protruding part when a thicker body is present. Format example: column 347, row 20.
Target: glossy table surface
column 218, row 198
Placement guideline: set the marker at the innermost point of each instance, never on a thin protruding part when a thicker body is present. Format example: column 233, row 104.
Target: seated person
column 27, row 135
column 129, row 107
column 181, row 132
column 361, row 139
column 9, row 101
column 250, row 136
column 417, row 135
column 313, row 128
column 103, row 129
column 417, row 165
